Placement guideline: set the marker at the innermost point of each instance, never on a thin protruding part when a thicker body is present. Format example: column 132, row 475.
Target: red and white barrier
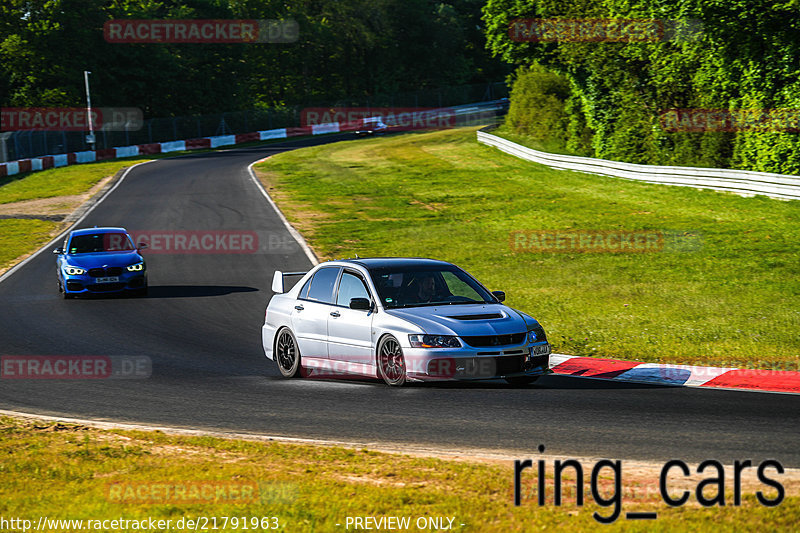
column 45, row 162
column 52, row 161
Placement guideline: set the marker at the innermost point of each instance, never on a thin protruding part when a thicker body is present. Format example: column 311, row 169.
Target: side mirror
column 58, row 251
column 500, row 295
column 141, row 245
column 362, row 304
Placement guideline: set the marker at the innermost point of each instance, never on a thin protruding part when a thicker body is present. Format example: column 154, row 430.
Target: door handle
column 299, row 307
column 335, row 313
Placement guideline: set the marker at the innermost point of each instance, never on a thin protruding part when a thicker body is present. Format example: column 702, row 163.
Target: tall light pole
column 90, row 138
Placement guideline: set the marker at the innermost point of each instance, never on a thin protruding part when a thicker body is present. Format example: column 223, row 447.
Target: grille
column 477, row 367
column 509, row 365
column 106, row 287
column 481, row 341
column 101, row 272
column 537, row 361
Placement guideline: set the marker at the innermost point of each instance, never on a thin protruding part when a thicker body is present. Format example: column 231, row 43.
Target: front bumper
column 85, row 284
column 466, row 363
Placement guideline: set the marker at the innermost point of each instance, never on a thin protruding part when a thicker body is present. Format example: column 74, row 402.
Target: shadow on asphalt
column 546, row 382
column 173, row 291
column 194, row 291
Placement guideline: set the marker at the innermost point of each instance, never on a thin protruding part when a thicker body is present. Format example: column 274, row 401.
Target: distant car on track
column 100, row 261
column 371, row 126
column 399, row 319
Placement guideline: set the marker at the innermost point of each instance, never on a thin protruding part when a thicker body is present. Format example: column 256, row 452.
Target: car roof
column 395, row 262
column 91, row 231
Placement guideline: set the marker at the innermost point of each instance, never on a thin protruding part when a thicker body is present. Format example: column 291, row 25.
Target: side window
column 304, row 291
column 321, row 288
column 351, row 287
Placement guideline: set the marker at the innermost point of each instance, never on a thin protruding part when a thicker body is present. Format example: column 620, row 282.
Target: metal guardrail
column 742, row 182
column 27, row 144
column 473, row 114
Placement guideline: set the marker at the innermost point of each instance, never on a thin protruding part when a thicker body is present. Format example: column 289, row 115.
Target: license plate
column 109, row 279
column 542, row 349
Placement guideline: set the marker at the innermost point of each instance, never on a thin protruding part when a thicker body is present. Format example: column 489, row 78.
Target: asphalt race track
column 201, row 328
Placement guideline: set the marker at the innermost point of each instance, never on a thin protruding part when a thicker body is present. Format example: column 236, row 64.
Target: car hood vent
column 485, row 316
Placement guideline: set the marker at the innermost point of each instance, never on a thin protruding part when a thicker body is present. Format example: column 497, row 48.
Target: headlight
column 434, row 341
column 74, row 271
column 135, row 268
column 536, row 334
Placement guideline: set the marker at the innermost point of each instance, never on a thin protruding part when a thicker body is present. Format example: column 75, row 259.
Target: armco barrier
column 44, row 162
column 743, row 182
column 40, row 163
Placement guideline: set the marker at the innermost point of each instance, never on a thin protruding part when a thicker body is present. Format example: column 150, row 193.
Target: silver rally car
column 400, row 320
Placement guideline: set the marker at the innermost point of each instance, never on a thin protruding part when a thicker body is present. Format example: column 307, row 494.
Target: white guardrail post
column 742, row 182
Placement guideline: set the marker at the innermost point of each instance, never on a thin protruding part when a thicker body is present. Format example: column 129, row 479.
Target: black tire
column 287, row 354
column 391, row 362
column 521, row 381
column 141, row 293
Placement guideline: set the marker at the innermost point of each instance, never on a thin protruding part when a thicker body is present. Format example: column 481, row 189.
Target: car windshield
column 100, row 242
column 426, row 286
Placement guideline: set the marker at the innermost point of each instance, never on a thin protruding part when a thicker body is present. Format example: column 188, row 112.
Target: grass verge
column 90, row 474
column 64, row 181
column 17, row 236
column 732, row 297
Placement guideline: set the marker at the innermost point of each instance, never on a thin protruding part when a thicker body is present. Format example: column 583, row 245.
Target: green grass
column 19, row 237
column 65, row 471
column 65, row 181
column 734, row 300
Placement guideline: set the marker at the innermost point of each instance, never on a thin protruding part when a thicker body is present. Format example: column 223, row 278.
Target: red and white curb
column 765, row 380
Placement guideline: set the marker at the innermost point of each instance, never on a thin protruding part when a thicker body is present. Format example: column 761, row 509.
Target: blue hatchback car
column 100, row 261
